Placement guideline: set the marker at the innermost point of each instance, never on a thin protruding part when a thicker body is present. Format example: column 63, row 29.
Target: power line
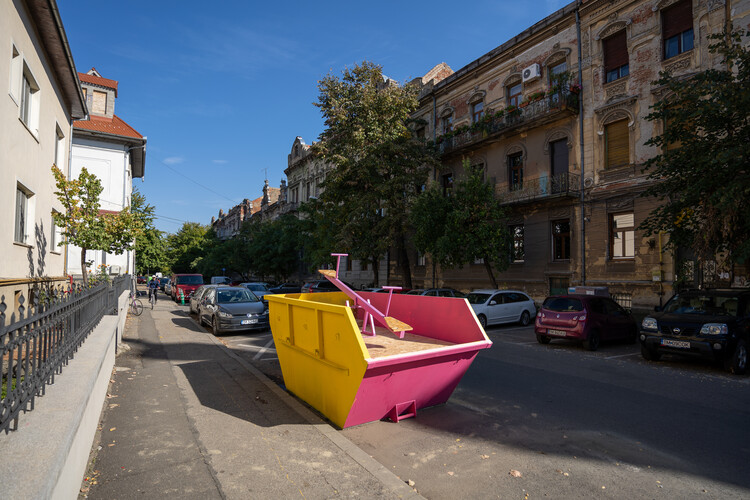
column 198, row 184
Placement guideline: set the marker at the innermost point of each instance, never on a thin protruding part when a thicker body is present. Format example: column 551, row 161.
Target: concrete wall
column 51, row 447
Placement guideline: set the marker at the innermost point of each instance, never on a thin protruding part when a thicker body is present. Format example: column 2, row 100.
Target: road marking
column 622, row 355
column 262, row 351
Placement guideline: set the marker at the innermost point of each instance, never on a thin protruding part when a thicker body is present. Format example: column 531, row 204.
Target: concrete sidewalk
column 186, row 417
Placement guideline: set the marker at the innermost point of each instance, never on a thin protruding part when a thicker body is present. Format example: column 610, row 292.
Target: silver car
column 502, row 306
column 232, row 308
column 259, row 289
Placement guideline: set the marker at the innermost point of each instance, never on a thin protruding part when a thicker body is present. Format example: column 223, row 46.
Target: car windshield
column 701, row 303
column 563, row 304
column 190, row 280
column 235, row 295
column 477, row 298
column 256, row 287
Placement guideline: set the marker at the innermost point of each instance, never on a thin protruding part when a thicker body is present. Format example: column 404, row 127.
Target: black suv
column 713, row 324
column 316, row 286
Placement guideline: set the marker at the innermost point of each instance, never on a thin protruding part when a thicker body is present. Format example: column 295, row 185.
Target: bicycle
column 152, row 298
column 136, row 306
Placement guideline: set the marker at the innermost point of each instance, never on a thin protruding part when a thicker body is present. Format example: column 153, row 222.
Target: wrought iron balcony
column 491, row 127
column 560, row 185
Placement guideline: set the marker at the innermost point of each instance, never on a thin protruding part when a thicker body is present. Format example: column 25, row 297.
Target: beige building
column 571, row 177
column 42, row 98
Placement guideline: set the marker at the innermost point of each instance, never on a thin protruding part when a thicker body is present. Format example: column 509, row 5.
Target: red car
column 185, row 285
column 587, row 318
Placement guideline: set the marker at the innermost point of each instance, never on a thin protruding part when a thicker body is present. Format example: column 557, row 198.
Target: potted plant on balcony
column 512, row 111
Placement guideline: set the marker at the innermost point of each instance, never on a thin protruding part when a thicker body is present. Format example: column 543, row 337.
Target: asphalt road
column 556, row 421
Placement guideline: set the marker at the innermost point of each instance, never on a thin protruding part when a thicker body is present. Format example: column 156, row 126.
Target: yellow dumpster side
column 321, row 353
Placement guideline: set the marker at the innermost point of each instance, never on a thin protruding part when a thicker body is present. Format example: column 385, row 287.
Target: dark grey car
column 230, row 308
column 195, row 298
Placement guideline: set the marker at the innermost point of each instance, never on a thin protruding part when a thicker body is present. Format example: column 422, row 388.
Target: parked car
column 162, row 283
column 259, row 289
column 168, row 288
column 501, row 306
column 285, row 288
column 197, row 296
column 232, row 308
column 317, row 286
column 587, row 318
column 437, row 292
column 220, row 280
column 711, row 324
column 141, row 280
column 185, row 283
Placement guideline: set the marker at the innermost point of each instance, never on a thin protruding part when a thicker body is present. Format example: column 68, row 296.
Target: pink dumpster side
column 404, row 382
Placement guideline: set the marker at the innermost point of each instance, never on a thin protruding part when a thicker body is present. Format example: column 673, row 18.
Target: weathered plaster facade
column 525, row 157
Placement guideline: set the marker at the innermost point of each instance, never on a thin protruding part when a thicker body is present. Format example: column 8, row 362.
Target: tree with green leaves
column 85, row 225
column 702, row 171
column 379, row 166
column 185, row 248
column 150, row 244
column 469, row 225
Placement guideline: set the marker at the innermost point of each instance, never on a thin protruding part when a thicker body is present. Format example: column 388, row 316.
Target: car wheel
column 737, row 362
column 525, row 318
column 592, row 342
column 542, row 339
column 649, row 354
column 215, row 326
column 482, row 320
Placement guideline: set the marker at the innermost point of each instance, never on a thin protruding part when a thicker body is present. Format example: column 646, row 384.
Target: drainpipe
column 434, row 129
column 580, row 145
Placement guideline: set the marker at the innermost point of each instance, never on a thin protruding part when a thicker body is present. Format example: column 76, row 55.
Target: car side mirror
column 657, row 308
column 492, row 303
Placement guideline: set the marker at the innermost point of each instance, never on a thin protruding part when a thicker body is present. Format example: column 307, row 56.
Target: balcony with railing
column 490, row 127
column 560, row 185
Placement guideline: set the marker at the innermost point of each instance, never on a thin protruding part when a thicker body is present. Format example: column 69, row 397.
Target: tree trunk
column 375, row 271
column 488, row 266
column 403, row 262
column 83, row 268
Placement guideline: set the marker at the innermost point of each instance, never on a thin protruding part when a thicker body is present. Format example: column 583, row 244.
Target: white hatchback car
column 502, row 306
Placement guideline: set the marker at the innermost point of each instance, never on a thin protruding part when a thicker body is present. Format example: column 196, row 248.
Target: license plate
column 249, row 321
column 675, row 343
column 556, row 333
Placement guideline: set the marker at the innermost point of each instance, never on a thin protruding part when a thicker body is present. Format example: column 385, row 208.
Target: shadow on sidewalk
column 219, row 382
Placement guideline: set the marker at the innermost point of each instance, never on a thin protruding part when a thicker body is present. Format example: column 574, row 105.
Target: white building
column 41, row 97
column 113, row 151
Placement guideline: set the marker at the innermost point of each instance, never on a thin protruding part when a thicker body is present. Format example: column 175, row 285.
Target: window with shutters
column 617, row 144
column 616, row 58
column 561, row 239
column 559, row 159
column 100, row 103
column 677, row 28
column 622, row 236
column 514, row 94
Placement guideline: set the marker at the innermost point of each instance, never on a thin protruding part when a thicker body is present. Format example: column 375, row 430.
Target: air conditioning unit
column 114, row 269
column 532, row 72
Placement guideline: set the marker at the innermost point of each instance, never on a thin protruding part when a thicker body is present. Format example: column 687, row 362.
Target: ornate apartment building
column 556, row 117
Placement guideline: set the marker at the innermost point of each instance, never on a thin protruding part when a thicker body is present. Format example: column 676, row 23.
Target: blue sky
column 222, row 88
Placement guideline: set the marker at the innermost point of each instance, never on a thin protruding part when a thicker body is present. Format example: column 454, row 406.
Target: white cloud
column 219, row 162
column 173, row 160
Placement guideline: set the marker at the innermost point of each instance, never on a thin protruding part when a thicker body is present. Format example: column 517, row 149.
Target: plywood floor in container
column 388, row 344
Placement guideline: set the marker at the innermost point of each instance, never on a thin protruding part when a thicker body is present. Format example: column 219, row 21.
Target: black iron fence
column 564, row 184
column 43, row 335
